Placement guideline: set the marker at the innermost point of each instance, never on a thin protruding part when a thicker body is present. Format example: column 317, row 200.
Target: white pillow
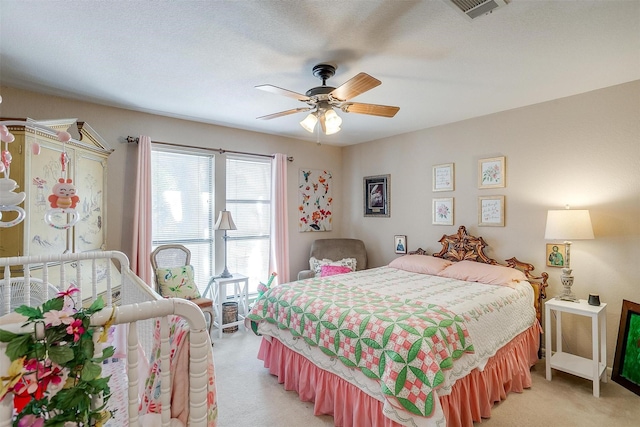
column 316, row 264
column 472, row 271
column 422, row 264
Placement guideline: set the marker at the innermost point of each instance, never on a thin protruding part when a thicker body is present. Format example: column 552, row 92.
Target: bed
column 162, row 371
column 427, row 340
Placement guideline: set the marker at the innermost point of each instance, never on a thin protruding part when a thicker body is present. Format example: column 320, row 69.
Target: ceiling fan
column 321, row 100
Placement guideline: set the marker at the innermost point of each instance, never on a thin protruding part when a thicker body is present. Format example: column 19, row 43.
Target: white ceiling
column 200, row 60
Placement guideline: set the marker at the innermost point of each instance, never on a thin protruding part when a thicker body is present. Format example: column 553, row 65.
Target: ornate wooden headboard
column 463, row 246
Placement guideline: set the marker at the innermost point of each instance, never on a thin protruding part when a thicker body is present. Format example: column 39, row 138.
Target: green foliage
column 67, row 352
column 631, row 357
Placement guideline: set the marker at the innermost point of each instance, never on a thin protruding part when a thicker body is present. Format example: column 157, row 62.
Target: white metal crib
column 129, row 301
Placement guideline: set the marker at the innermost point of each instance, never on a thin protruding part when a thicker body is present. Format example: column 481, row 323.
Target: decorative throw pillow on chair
column 316, row 264
column 332, row 270
column 177, row 282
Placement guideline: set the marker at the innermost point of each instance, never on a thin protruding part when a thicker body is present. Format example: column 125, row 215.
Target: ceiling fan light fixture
column 332, row 130
column 322, row 100
column 309, row 122
column 332, row 122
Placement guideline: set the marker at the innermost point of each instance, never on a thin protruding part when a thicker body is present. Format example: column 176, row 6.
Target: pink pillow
column 423, row 264
column 472, row 271
column 332, row 270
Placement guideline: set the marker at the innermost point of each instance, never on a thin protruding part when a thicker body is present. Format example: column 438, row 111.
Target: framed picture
column 377, row 196
column 443, row 177
column 443, row 211
column 491, row 172
column 556, row 254
column 491, row 211
column 400, row 244
column 626, row 364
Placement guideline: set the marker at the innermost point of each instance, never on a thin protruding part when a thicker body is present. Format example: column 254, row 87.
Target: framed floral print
column 442, row 211
column 491, row 172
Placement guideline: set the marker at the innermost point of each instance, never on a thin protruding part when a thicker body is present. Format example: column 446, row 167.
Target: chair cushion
column 177, row 282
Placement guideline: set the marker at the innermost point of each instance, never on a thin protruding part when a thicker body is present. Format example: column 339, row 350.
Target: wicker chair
column 169, row 256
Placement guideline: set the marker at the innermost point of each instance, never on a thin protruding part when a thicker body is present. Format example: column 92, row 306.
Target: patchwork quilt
column 413, row 334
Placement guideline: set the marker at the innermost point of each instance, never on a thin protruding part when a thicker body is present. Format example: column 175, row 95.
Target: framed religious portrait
column 556, row 254
column 443, row 177
column 491, row 172
column 400, row 244
column 377, row 196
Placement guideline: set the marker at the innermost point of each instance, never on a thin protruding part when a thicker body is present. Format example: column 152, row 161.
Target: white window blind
column 182, row 195
column 248, row 198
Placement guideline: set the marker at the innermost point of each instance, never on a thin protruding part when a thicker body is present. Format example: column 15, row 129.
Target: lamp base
column 568, row 297
column 567, row 281
column 225, row 274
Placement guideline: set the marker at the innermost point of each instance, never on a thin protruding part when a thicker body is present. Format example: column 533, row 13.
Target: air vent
column 475, row 8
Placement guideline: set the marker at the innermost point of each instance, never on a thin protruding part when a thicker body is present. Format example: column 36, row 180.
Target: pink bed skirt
column 470, row 400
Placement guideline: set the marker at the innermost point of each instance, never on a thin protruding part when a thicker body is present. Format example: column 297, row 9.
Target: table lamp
column 225, row 222
column 568, row 224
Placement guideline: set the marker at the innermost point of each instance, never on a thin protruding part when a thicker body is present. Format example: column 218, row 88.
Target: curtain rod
column 130, row 139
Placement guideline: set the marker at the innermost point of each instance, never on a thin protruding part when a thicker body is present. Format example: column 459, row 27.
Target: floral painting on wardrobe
column 315, row 201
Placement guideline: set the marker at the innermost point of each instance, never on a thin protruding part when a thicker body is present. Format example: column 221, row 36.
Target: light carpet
column 248, row 396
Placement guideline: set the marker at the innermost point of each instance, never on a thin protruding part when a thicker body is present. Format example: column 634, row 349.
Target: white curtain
column 279, row 252
column 141, row 251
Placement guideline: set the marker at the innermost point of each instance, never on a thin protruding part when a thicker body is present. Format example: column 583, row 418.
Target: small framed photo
column 443, row 211
column 556, row 254
column 443, row 177
column 491, row 211
column 626, row 363
column 400, row 244
column 377, row 197
column 491, row 172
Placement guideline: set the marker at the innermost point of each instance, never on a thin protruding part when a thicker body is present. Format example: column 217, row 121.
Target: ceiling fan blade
column 279, row 91
column 355, row 86
column 284, row 113
column 371, row 109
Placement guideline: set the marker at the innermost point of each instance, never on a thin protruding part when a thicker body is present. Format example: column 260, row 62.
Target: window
column 182, row 197
column 248, row 190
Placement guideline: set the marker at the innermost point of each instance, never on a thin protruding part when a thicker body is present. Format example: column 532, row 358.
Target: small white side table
column 240, row 295
column 592, row 369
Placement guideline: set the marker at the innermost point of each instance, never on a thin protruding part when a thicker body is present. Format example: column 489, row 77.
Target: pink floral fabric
column 179, row 347
column 332, row 270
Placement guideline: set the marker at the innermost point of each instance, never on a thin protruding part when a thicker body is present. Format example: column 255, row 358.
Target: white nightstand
column 592, row 369
column 240, row 295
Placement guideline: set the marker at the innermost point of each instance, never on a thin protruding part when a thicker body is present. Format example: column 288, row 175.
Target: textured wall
column 582, row 150
column 115, row 124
